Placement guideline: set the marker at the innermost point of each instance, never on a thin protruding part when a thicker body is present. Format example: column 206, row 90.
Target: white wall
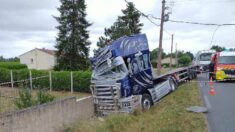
column 37, row 59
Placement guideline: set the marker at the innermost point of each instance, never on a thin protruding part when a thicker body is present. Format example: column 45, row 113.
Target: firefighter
column 211, row 68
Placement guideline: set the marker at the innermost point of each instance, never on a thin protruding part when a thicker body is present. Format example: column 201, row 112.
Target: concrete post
column 30, row 80
column 50, row 81
column 71, row 74
column 12, row 81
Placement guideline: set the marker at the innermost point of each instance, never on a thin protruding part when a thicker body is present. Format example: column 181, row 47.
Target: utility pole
column 172, row 39
column 176, row 56
column 160, row 40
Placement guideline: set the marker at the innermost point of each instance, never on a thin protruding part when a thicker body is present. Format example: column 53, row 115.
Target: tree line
column 72, row 41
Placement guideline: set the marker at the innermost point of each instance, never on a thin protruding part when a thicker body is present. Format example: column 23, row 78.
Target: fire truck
column 223, row 66
column 123, row 79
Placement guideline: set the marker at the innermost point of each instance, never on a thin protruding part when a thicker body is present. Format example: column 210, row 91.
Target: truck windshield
column 114, row 68
column 226, row 60
column 205, row 57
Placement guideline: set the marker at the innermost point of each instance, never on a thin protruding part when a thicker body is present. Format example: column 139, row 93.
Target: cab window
column 140, row 63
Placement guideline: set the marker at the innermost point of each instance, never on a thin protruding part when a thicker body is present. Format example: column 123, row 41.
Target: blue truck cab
column 122, row 77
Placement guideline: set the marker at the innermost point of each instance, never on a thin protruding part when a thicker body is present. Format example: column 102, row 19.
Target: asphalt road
column 221, row 114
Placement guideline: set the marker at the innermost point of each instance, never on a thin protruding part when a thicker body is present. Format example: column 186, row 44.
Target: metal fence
column 9, row 91
column 31, row 79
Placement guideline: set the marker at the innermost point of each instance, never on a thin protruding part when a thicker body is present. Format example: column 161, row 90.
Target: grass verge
column 167, row 116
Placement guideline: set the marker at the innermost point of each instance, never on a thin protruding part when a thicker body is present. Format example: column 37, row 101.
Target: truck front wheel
column 146, row 101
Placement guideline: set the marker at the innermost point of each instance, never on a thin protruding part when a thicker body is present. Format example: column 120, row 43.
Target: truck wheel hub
column 146, row 104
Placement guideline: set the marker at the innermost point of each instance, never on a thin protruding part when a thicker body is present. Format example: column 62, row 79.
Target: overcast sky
column 27, row 24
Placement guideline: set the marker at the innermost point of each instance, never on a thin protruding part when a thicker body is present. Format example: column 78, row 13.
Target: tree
column 217, row 48
column 188, row 53
column 131, row 19
column 154, row 54
column 184, row 60
column 127, row 24
column 72, row 40
column 12, row 59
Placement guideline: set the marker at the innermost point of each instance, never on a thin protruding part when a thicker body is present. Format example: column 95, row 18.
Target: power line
column 212, row 38
column 148, row 18
column 178, row 21
column 144, row 15
column 195, row 23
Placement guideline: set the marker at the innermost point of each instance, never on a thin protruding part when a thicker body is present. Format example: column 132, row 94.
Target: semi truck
column 203, row 59
column 223, row 66
column 123, row 79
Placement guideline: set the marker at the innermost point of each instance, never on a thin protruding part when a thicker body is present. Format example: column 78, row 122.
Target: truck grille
column 106, row 97
column 230, row 72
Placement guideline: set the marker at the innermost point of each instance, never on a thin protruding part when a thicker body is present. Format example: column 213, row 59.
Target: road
column 221, row 115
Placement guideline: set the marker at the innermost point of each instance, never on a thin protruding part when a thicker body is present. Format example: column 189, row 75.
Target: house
column 40, row 59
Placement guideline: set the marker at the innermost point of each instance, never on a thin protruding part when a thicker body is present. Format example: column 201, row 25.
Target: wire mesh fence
column 59, row 84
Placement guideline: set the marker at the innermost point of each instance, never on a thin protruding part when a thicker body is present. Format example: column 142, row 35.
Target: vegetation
column 72, row 40
column 13, row 59
column 184, row 60
column 127, row 24
column 9, row 96
column 217, row 48
column 26, row 99
column 60, row 79
column 12, row 65
column 43, row 97
column 168, row 115
column 154, row 54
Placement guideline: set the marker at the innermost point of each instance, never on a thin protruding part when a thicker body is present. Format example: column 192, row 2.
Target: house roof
column 50, row 52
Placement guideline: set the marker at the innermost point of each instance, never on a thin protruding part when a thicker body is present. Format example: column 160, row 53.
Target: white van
column 203, row 59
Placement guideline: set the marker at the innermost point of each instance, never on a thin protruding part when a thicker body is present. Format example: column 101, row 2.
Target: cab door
column 141, row 73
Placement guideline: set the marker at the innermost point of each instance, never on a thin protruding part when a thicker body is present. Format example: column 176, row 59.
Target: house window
column 31, row 60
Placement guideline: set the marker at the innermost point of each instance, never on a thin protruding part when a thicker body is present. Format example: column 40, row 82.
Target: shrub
column 61, row 80
column 4, row 75
column 26, row 99
column 44, row 97
column 12, row 65
column 154, row 64
column 166, row 65
column 184, row 60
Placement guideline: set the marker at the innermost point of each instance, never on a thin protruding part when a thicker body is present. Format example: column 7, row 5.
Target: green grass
column 12, row 65
column 167, row 116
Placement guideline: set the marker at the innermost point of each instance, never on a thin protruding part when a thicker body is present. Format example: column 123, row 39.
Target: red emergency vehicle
column 223, row 66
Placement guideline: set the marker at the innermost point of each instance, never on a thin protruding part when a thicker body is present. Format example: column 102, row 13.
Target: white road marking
column 207, row 102
column 83, row 98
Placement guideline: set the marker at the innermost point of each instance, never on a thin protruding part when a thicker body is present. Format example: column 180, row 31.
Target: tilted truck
column 123, row 80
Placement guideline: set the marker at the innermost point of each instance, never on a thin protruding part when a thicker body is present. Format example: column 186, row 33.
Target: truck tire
column 195, row 75
column 146, row 101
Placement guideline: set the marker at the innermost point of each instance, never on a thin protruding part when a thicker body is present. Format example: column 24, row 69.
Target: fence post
column 30, row 80
column 71, row 82
column 50, row 81
column 12, row 82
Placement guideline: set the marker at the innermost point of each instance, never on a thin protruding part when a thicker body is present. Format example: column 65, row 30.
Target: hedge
column 12, row 65
column 60, row 79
